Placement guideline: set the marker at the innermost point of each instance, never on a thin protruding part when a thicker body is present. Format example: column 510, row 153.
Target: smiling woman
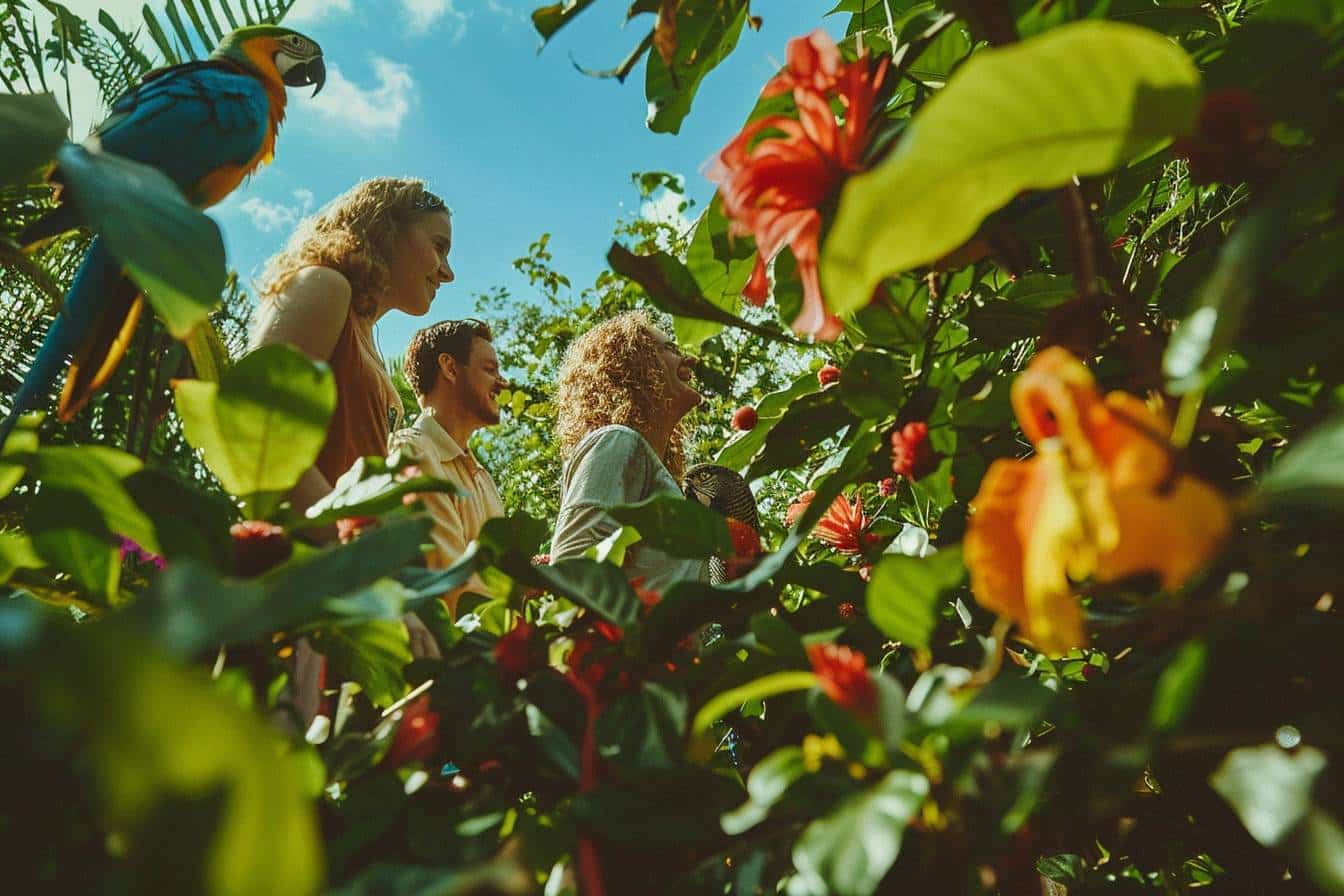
column 381, row 246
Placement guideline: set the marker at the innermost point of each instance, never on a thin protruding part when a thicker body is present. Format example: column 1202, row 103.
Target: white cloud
column 425, row 14
column 666, row 208
column 500, row 9
column 306, row 12
column 379, row 109
column 269, row 216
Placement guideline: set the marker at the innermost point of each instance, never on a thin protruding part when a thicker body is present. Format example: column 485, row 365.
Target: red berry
column 887, row 487
column 417, row 736
column 745, row 418
column 828, row 374
column 847, row 610
column 258, row 546
column 349, row 528
column 519, row 653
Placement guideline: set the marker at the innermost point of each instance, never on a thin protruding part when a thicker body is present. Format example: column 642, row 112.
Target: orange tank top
column 368, row 407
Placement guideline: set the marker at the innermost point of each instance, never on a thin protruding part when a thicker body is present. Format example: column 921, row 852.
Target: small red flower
column 541, row 560
column 745, row 418
column 887, row 487
column 647, row 596
column 847, row 610
column 258, row 546
column 843, row 676
column 828, row 374
column 844, row 526
column 417, row 736
column 349, row 528
column 911, row 454
column 519, row 652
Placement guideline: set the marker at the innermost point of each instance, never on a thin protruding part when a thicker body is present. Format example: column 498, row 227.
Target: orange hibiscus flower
column 1099, row 500
column 777, row 173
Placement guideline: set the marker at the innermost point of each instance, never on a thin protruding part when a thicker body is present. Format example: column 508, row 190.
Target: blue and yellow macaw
column 206, row 125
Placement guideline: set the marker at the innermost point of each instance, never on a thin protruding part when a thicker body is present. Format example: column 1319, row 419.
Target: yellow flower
column 1099, row 500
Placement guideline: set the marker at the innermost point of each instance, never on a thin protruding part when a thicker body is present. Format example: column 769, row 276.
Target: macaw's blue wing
column 95, row 324
column 190, row 121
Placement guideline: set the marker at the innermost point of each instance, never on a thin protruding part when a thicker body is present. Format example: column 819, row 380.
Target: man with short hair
column 453, row 368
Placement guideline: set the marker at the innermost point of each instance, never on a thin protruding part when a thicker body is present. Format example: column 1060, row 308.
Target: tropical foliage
column 1045, row 594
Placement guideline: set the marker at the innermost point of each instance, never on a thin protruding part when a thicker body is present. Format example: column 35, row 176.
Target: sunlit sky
column 519, row 143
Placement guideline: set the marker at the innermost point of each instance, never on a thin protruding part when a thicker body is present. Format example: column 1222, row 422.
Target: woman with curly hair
column 381, row 246
column 621, row 394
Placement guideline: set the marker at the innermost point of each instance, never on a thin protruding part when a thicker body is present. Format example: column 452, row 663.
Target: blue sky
column 518, row 143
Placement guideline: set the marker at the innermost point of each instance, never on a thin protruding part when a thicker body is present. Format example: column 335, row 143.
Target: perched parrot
column 206, row 125
column 722, row 489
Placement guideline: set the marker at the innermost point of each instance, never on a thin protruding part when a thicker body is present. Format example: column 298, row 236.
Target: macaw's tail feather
column 98, row 277
column 96, row 360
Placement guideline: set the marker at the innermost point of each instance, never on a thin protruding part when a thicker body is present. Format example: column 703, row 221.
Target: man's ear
column 448, row 367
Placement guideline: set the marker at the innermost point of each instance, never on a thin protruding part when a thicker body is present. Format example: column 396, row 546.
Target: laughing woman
column 380, row 246
column 623, row 390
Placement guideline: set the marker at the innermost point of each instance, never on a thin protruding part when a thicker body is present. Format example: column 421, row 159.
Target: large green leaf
column 644, row 729
column 1079, row 100
column 1310, row 474
column 768, row 686
column 676, row 526
column 198, row 790
column 707, row 31
column 770, row 779
column 1271, row 791
column 32, row 128
column 848, row 852
column 372, row 652
column 739, row 452
column 369, row 488
column 171, row 250
column 263, row 424
column 808, row 421
column 904, row 594
column 97, row 474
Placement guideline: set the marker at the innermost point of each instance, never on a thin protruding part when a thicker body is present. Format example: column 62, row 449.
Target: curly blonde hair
column 355, row 234
column 612, row 374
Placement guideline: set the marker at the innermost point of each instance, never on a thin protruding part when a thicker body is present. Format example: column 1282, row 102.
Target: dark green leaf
column 174, row 252
column 644, row 729
column 805, row 425
column 739, row 452
column 32, row 128
column 619, row 810
column 370, row 488
column 872, row 384
column 370, row 653
column 707, row 31
column 676, row 526
column 1269, row 788
column 1310, row 474
column 551, row 18
column 1179, row 686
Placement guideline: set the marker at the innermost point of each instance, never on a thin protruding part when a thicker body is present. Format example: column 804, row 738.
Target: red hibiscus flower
column 779, row 171
column 417, row 736
column 843, row 675
column 844, row 526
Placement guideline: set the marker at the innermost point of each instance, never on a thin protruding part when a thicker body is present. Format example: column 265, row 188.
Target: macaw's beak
column 301, row 74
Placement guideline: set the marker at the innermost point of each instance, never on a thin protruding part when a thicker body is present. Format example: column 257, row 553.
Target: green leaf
column 676, row 526
column 165, row 746
column 872, row 384
column 808, row 421
column 905, row 593
column 770, row 779
column 1202, row 339
column 1179, row 686
column 1310, row 474
column 707, row 31
column 619, row 811
column 171, row 250
column 372, row 653
column 672, row 288
column 739, row 452
column 370, row 488
column 32, row 128
column 97, row 475
column 263, row 424
column 16, row 553
column 17, row 452
column 758, row 689
column 721, row 266
column 1269, row 788
column 1081, row 99
column 189, row 521
column 849, row 851
column 550, row 19
column 644, row 728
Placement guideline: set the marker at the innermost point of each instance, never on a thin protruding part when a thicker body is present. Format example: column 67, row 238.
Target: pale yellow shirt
column 457, row 518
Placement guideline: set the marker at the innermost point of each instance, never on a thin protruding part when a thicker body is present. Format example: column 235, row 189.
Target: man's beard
column 481, row 408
